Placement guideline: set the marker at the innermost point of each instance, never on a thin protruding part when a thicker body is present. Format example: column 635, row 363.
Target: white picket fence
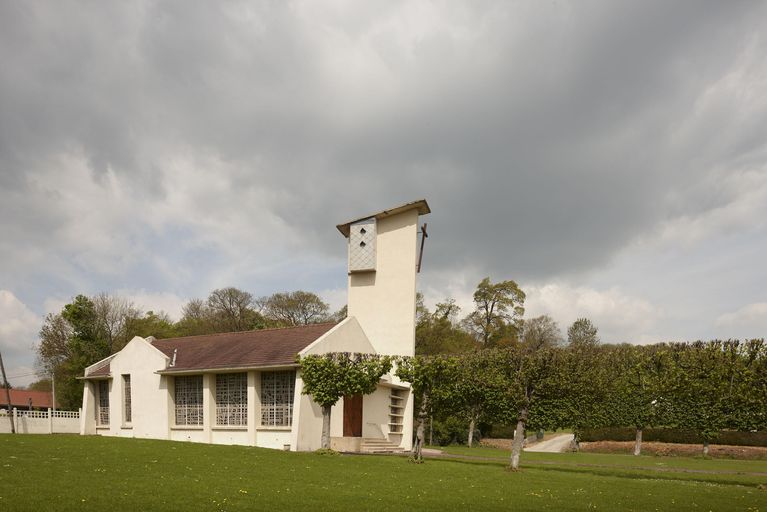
column 41, row 422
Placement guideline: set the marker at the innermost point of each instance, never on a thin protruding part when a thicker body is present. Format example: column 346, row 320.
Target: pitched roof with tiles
column 265, row 347
column 21, row 398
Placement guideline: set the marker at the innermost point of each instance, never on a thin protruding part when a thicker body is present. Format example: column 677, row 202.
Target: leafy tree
column 84, row 347
column 154, row 324
column 498, row 307
column 709, row 385
column 477, row 390
column 232, row 310
column 340, row 315
column 640, row 391
column 587, row 381
column 535, row 380
column 41, row 385
column 112, row 315
column 582, row 332
column 437, row 332
column 225, row 310
column 328, row 377
column 540, row 332
column 53, row 348
column 295, row 308
column 428, row 377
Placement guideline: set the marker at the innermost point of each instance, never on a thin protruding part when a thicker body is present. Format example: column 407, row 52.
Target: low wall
column 41, row 422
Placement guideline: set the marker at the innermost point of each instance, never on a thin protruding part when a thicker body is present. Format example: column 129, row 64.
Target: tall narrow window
column 188, row 398
column 232, row 399
column 127, row 412
column 277, row 390
column 102, row 410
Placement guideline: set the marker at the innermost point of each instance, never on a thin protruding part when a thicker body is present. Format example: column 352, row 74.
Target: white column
column 50, row 421
column 254, row 406
column 208, row 405
column 16, row 420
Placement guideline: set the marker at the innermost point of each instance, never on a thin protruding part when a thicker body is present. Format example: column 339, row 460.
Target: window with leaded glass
column 127, row 412
column 232, row 399
column 188, row 398
column 277, row 398
column 102, row 409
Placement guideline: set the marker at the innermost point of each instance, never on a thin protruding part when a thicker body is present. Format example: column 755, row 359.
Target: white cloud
column 18, row 333
column 170, row 303
column 618, row 316
column 750, row 321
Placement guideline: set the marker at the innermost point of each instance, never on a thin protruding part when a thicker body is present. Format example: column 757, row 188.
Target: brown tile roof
column 266, row 347
column 20, row 398
column 101, row 371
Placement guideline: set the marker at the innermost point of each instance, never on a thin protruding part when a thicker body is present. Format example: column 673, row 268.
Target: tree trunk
column 577, row 440
column 471, row 432
column 519, row 439
column 419, row 431
column 638, row 442
column 431, row 430
column 326, row 427
column 705, row 448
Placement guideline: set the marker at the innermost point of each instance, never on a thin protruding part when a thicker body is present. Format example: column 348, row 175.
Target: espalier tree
column 535, row 379
column 641, row 387
column 586, row 380
column 478, row 390
column 328, row 377
column 429, row 377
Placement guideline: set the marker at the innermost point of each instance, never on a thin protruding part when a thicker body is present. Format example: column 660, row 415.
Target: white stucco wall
column 375, row 413
column 347, row 336
column 306, row 434
column 149, row 393
column 384, row 301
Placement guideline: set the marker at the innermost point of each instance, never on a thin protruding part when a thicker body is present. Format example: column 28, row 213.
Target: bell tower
column 383, row 252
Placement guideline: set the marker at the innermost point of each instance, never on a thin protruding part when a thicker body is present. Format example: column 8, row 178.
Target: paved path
column 556, row 444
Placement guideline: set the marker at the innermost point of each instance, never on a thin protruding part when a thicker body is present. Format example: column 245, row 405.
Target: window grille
column 102, row 411
column 188, row 397
column 127, row 412
column 277, row 390
column 232, row 399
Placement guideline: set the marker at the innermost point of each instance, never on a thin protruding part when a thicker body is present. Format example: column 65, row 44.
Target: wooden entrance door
column 353, row 416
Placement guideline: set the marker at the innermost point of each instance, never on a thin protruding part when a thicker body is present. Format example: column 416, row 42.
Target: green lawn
column 46, row 473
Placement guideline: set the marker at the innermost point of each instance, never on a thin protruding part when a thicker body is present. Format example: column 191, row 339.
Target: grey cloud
column 544, row 136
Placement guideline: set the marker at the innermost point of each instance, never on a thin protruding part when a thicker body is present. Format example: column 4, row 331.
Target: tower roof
column 421, row 205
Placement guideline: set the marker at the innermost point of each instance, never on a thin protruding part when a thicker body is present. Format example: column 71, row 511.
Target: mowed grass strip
column 649, row 461
column 98, row 473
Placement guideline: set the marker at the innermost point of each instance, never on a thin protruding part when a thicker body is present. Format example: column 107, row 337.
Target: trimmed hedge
column 670, row 435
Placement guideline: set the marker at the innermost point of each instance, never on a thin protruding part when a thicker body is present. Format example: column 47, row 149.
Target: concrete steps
column 371, row 445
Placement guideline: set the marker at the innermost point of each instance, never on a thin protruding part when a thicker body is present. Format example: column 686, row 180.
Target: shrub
column 669, row 435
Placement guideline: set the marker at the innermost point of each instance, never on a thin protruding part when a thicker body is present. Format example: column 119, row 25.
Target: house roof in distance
column 248, row 349
column 421, row 205
column 20, row 398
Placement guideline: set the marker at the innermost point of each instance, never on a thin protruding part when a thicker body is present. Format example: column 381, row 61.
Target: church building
column 245, row 388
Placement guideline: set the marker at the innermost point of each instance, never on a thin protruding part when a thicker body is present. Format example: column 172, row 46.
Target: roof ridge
column 244, row 332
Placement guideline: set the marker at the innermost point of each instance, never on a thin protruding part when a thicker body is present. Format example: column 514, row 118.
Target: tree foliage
column 328, row 377
column 540, row 332
column 295, row 308
column 437, row 332
column 582, row 332
column 498, row 311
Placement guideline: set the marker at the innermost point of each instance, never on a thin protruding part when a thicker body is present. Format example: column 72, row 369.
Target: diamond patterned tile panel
column 362, row 246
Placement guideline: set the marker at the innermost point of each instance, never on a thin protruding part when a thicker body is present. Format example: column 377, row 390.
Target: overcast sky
column 611, row 157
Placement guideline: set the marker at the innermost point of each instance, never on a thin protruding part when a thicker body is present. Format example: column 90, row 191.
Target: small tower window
column 362, row 244
column 362, row 231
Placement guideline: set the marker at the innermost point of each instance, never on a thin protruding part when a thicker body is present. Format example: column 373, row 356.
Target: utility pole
column 7, row 396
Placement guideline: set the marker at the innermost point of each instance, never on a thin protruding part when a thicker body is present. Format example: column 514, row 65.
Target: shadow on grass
column 666, row 474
